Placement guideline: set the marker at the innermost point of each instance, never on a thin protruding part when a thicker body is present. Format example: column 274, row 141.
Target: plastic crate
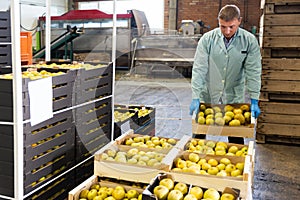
column 5, row 55
column 26, row 48
column 93, row 84
column 5, row 30
column 62, row 95
column 85, row 150
column 57, row 190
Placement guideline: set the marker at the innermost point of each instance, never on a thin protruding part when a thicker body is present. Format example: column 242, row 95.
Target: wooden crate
column 148, row 193
column 246, row 130
column 239, row 131
column 244, row 184
column 130, row 172
column 279, row 122
column 74, row 194
column 282, row 6
column 280, row 79
column 250, row 146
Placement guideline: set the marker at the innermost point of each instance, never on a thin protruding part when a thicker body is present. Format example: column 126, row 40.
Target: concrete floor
column 277, row 174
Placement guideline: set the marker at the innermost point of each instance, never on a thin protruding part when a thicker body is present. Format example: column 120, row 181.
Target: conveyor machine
column 95, row 44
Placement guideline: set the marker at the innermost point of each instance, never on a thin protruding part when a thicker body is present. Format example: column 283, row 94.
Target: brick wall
column 207, row 11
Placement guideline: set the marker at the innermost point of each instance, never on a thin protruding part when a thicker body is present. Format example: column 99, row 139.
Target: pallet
column 292, row 53
column 282, row 6
column 269, row 138
column 279, row 96
column 280, row 86
column 281, row 64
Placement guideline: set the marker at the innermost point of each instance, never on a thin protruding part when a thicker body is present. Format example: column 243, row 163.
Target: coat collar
column 221, row 39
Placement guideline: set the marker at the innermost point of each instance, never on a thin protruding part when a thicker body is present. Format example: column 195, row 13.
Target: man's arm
column 253, row 69
column 200, row 67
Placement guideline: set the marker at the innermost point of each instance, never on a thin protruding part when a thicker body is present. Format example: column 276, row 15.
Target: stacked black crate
column 92, row 116
column 5, row 39
column 142, row 122
column 280, row 92
column 48, row 146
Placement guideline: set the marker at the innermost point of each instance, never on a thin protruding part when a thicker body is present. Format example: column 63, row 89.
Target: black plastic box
column 5, row 29
column 5, row 55
column 93, row 84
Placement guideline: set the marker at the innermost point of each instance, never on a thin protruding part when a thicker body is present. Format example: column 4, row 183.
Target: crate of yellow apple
column 214, row 171
column 100, row 188
column 224, row 120
column 219, row 148
column 165, row 187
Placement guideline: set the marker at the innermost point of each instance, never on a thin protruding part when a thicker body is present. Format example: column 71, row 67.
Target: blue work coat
column 225, row 73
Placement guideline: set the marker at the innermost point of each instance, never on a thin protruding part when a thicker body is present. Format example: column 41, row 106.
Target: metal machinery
column 95, row 42
column 169, row 53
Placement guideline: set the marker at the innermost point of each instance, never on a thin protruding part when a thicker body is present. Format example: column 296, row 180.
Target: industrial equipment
column 168, row 53
column 62, row 41
column 96, row 42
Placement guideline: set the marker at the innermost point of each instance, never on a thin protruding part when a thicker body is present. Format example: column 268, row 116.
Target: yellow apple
column 197, row 192
column 132, row 194
column 175, row 195
column 225, row 161
column 182, row 187
column 161, row 192
column 194, row 157
column 92, row 194
column 213, row 170
column 212, row 194
column 213, row 162
column 227, row 196
column 189, row 197
column 167, row 182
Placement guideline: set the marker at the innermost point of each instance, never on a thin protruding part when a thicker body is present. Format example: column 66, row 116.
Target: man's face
column 229, row 28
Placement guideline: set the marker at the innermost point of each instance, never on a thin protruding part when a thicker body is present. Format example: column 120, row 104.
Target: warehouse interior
column 104, row 71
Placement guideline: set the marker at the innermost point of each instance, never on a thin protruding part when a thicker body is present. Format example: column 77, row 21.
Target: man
column 227, row 61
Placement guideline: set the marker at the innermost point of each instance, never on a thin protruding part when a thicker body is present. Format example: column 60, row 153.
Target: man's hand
column 194, row 107
column 255, row 111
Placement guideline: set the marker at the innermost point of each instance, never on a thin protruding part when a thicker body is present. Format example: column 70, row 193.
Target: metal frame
column 17, row 89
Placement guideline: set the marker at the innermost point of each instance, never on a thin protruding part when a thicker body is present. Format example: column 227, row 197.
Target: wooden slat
column 271, row 31
column 279, row 96
column 280, row 86
column 280, row 108
column 285, row 53
column 282, row 9
column 282, row 1
column 282, row 19
column 279, row 119
column 265, row 138
column 278, row 129
column 282, row 75
column 281, row 64
column 280, row 52
column 283, row 42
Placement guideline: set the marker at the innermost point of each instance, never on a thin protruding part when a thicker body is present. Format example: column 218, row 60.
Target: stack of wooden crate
column 280, row 91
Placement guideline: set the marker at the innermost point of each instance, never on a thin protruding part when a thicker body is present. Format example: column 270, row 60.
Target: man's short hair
column 229, row 12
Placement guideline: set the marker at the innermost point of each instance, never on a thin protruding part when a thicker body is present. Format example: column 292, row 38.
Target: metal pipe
column 113, row 58
column 48, row 31
column 17, row 100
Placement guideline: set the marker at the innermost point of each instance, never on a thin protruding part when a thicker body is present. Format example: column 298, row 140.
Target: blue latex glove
column 255, row 111
column 194, row 107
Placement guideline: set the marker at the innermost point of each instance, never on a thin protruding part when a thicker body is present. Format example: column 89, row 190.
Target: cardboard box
column 130, row 172
column 149, row 195
column 243, row 183
column 74, row 194
column 246, row 131
column 132, row 135
column 250, row 147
